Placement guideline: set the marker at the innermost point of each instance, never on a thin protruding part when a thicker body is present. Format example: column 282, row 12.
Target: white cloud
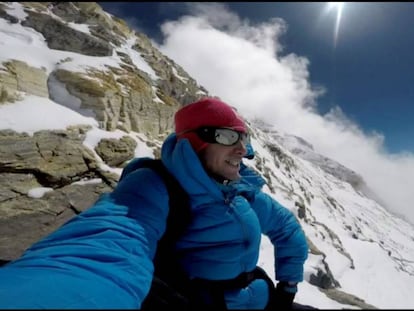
column 249, row 76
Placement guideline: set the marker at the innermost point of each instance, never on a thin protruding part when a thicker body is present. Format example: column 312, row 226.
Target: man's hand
column 285, row 294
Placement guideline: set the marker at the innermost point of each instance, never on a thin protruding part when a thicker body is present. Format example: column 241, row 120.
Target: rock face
column 21, row 77
column 59, row 36
column 115, row 152
column 53, row 160
column 50, row 176
column 119, row 96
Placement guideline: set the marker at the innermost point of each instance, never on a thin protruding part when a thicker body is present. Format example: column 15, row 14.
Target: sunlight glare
column 339, row 7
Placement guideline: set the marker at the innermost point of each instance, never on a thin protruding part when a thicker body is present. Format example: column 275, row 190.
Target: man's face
column 223, row 161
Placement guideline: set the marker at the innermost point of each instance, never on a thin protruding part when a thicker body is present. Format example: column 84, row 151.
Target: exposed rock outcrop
column 17, row 76
column 52, row 161
column 120, row 97
column 115, row 152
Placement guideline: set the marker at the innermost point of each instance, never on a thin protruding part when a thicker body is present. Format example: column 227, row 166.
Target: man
column 103, row 258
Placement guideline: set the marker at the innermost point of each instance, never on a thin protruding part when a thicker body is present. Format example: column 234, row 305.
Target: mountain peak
column 110, row 95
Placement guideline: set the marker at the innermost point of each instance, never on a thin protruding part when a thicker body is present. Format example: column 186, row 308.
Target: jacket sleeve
column 101, row 258
column 286, row 235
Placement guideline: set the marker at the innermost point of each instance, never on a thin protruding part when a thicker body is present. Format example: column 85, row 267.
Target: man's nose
column 241, row 148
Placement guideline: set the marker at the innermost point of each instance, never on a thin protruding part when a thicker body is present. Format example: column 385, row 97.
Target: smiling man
column 217, row 133
column 220, row 249
column 105, row 256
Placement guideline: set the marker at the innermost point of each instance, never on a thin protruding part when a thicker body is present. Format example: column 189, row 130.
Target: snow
column 365, row 266
column 38, row 192
column 34, row 113
column 371, row 277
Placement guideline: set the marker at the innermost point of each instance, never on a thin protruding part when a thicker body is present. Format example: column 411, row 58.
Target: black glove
column 284, row 295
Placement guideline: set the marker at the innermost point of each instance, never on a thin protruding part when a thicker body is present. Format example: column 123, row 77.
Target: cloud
column 243, row 63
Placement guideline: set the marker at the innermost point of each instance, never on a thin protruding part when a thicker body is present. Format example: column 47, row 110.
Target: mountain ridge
column 118, row 78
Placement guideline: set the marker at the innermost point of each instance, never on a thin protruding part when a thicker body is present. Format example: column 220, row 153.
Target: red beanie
column 205, row 112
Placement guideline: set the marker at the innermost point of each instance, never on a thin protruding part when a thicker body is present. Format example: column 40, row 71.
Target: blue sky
column 368, row 73
column 383, row 243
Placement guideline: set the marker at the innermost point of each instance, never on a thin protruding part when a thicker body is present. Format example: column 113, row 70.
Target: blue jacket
column 102, row 258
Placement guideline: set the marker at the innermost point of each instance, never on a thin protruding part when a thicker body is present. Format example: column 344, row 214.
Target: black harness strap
column 171, row 286
column 3, row 262
column 215, row 288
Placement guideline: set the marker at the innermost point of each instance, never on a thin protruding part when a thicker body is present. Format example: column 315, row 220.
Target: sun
column 338, row 6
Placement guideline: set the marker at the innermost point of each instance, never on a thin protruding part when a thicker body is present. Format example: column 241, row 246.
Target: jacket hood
column 181, row 160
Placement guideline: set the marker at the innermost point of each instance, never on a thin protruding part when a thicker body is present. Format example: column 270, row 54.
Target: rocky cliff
column 75, row 55
column 119, row 95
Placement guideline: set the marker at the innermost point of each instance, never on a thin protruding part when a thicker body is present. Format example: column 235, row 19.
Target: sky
column 291, row 70
column 365, row 65
column 374, row 277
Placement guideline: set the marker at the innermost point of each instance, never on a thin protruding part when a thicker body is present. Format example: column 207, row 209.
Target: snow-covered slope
column 361, row 255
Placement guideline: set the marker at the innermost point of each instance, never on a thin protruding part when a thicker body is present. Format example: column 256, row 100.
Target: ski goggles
column 222, row 136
